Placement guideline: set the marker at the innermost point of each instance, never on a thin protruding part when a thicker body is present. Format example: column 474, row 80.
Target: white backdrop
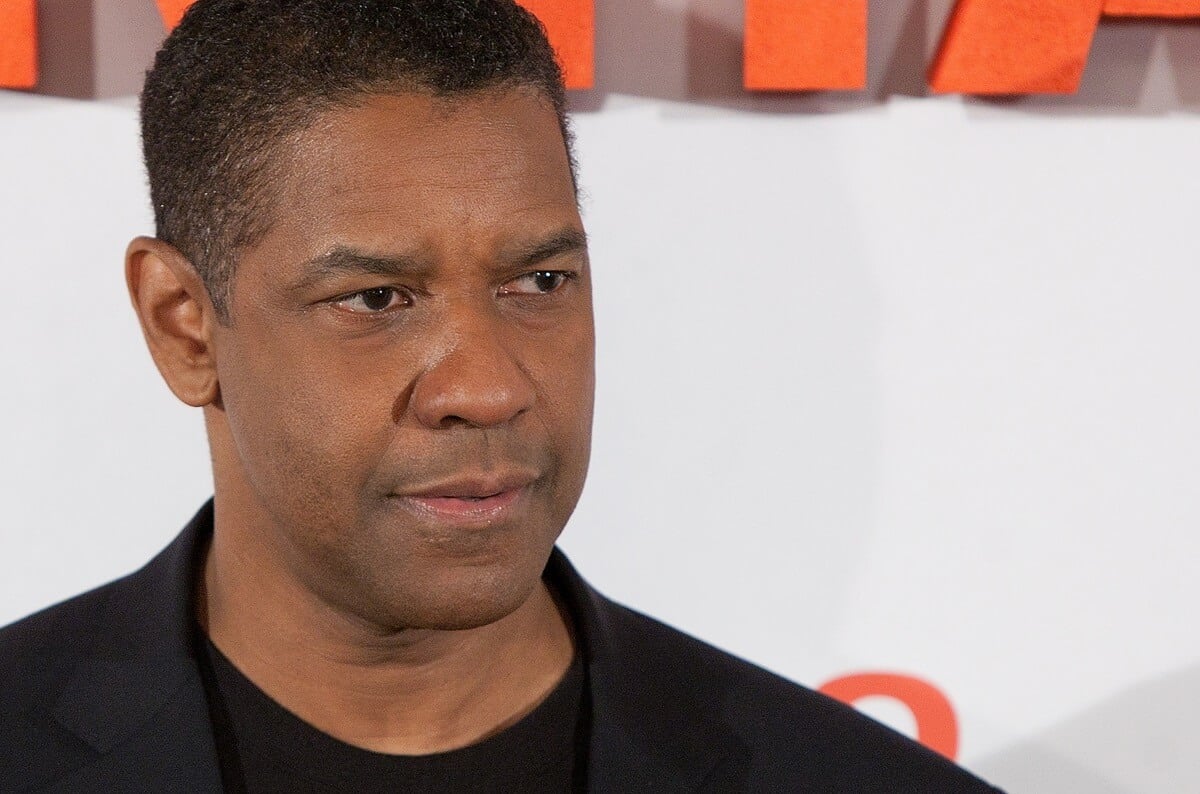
column 886, row 381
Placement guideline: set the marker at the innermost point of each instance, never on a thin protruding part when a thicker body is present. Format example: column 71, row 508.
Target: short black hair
column 236, row 78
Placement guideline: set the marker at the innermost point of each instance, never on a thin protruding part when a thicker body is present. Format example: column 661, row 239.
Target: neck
column 409, row 692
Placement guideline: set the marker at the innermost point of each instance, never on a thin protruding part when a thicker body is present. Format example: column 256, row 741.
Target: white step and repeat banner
column 889, row 383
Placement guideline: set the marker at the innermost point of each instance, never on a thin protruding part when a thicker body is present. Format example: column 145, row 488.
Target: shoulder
column 38, row 658
column 793, row 734
column 40, row 650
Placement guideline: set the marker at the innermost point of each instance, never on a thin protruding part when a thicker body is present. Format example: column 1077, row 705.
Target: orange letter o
column 937, row 726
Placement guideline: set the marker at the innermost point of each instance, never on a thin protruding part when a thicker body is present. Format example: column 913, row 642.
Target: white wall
column 885, row 381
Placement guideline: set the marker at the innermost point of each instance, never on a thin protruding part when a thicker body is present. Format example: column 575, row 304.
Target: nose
column 476, row 381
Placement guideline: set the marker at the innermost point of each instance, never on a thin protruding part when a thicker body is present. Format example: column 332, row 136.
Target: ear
column 177, row 318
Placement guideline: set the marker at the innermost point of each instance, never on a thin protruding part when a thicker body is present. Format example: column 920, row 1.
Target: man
column 371, row 275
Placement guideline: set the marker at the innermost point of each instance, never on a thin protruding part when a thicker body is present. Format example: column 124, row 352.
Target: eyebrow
column 343, row 260
column 567, row 241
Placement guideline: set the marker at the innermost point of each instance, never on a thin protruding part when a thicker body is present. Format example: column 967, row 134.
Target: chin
column 459, row 599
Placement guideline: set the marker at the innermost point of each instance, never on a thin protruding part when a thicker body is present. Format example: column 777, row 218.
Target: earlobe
column 177, row 318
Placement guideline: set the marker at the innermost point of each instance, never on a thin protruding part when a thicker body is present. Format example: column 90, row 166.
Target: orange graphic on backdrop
column 989, row 46
column 937, row 725
column 1029, row 46
column 806, row 46
column 570, row 25
column 18, row 43
column 1180, row 9
column 172, row 11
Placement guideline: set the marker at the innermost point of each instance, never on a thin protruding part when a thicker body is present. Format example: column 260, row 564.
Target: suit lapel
column 171, row 751
column 136, row 698
column 648, row 735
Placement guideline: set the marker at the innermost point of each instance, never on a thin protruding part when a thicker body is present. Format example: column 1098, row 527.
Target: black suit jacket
column 102, row 694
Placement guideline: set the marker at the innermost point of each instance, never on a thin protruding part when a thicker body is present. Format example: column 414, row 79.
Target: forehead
column 412, row 165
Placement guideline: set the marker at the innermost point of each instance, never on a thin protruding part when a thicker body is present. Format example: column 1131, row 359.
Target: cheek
column 309, row 426
column 566, row 374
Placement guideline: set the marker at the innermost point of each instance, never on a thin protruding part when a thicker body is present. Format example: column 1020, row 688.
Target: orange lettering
column 1015, row 46
column 172, row 11
column 1179, row 9
column 571, row 26
column 1029, row 46
column 937, row 726
column 806, row 45
column 18, row 43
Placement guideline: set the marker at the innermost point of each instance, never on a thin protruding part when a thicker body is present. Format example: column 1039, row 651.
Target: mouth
column 490, row 508
column 470, row 500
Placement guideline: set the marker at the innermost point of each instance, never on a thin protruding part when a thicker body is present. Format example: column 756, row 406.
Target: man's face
column 407, row 376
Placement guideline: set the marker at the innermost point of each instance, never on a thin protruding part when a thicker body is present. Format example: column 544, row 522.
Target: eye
column 373, row 301
column 539, row 282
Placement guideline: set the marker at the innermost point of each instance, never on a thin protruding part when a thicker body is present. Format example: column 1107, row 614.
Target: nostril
column 479, row 387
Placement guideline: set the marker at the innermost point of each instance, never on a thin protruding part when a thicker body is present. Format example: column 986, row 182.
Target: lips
column 470, row 498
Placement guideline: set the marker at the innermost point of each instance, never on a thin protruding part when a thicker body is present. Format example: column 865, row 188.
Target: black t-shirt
column 263, row 747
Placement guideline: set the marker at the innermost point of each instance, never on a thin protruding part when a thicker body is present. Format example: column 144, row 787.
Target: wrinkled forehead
column 411, row 173
column 429, row 148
